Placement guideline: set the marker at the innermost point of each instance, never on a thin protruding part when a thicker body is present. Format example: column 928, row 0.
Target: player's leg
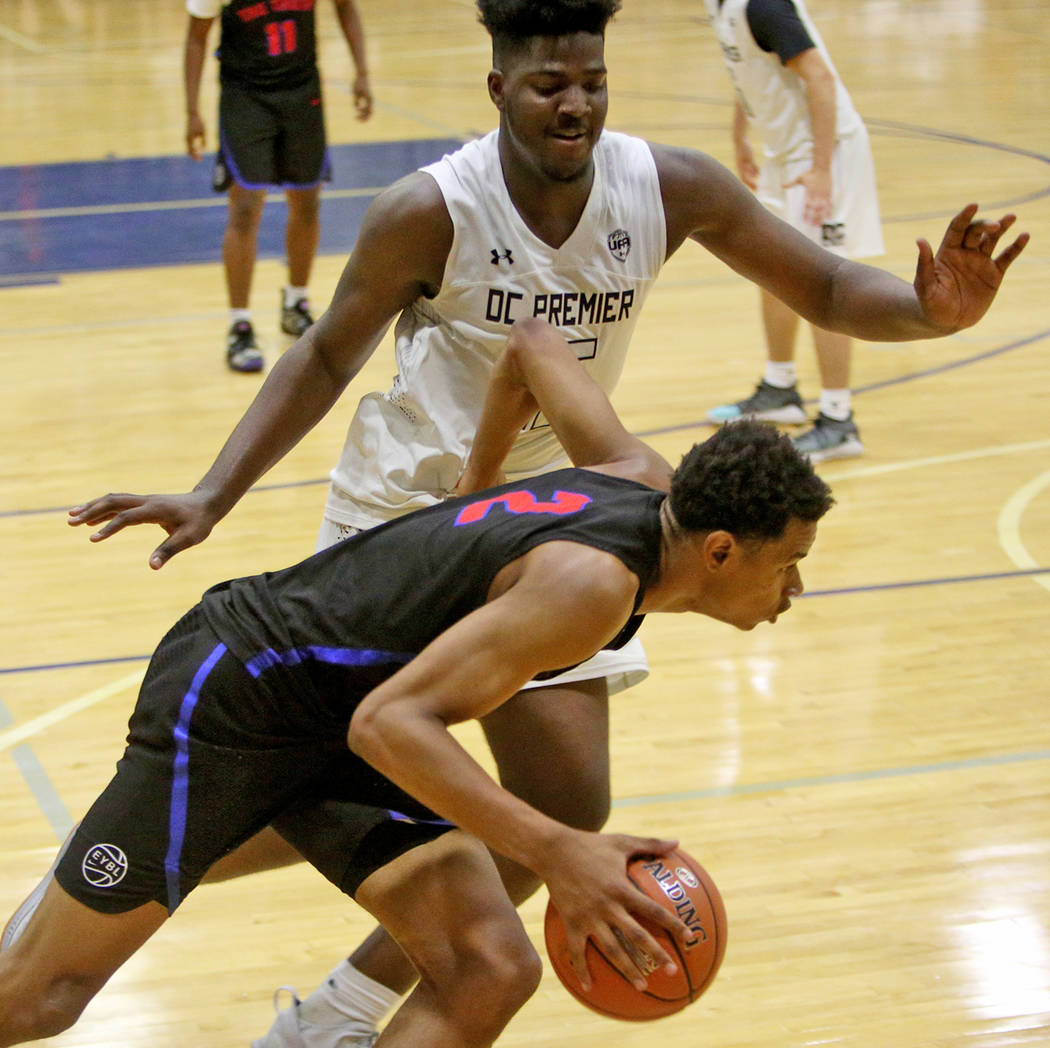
column 853, row 230
column 302, row 235
column 240, row 242
column 775, row 397
column 244, row 167
column 834, row 433
column 62, row 957
column 302, row 165
column 551, row 749
column 444, row 903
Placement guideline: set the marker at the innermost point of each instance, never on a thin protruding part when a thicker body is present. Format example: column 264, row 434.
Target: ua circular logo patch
column 104, row 865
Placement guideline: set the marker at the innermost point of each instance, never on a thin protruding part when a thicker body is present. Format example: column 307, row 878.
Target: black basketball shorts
column 214, row 755
column 271, row 138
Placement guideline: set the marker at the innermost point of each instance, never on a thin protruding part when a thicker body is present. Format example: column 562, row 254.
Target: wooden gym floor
column 868, row 781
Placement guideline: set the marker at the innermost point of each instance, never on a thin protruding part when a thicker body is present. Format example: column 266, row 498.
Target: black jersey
column 268, row 43
column 375, row 600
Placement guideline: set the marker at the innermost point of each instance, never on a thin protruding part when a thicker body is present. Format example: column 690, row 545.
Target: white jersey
column 406, row 448
column 773, row 97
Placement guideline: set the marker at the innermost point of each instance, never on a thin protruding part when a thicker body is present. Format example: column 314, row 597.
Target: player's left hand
column 362, row 93
column 956, row 286
column 470, row 480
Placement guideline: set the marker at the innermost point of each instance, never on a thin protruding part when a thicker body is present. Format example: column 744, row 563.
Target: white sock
column 292, row 295
column 237, row 315
column 835, row 403
column 349, row 999
column 780, row 373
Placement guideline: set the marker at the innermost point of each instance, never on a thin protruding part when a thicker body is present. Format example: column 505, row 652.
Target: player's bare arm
column 555, row 606
column 194, row 55
column 538, row 370
column 953, row 287
column 810, row 67
column 400, row 254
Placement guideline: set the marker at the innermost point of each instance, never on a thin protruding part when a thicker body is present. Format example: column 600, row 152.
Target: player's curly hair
column 510, row 22
column 747, row 479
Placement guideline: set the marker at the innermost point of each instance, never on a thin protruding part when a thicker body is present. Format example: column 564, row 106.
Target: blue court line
column 836, row 779
column 874, row 587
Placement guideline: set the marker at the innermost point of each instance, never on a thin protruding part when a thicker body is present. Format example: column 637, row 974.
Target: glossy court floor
column 867, row 781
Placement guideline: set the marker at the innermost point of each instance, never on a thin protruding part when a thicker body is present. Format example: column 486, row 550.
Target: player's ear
column 718, row 547
column 495, row 82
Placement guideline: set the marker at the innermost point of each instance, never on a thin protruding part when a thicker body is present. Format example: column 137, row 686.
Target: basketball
column 683, row 887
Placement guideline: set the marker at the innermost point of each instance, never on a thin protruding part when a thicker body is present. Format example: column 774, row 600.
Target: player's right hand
column 187, row 518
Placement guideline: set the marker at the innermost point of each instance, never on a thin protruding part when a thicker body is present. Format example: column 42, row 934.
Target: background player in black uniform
column 382, row 642
column 271, row 133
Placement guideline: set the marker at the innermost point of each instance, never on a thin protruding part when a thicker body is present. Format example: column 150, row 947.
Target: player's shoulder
column 414, row 199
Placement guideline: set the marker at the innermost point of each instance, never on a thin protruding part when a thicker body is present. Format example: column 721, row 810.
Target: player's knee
column 591, row 806
column 49, row 1011
column 501, row 968
column 582, row 801
column 244, row 216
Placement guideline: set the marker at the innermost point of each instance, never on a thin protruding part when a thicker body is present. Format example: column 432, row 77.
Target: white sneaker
column 291, row 1030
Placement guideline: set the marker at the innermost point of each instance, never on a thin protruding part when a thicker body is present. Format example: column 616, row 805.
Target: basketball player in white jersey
column 552, row 217
column 817, row 173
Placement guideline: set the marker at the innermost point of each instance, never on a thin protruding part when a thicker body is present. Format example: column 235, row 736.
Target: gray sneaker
column 830, row 439
column 295, row 319
column 768, row 403
column 291, row 1030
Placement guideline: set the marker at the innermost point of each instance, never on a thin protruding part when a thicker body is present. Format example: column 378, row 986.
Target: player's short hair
column 513, row 22
column 747, row 479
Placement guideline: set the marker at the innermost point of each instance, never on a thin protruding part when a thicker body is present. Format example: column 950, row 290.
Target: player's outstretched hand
column 187, row 518
column 588, row 883
column 957, row 285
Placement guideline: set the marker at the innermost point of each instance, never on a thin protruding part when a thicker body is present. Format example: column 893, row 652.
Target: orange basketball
column 682, row 886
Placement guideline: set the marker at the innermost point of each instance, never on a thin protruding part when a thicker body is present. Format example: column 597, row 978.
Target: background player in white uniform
column 549, row 86
column 817, row 173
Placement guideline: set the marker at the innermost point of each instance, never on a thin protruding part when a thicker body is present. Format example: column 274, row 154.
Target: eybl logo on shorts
column 104, row 865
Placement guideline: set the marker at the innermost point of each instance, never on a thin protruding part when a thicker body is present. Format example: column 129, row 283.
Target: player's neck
column 551, row 208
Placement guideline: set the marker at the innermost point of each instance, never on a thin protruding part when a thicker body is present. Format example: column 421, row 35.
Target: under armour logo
column 501, row 256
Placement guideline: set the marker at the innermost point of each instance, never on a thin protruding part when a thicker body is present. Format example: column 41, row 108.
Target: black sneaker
column 295, row 319
column 830, row 439
column 768, row 403
column 242, row 354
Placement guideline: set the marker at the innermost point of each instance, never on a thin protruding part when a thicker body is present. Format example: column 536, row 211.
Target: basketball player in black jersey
column 549, row 85
column 331, row 685
column 271, row 134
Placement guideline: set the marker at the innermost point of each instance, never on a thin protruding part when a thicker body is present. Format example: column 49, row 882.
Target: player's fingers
column 957, row 227
column 646, row 953
column 642, row 906
column 925, row 265
column 636, row 846
column 577, row 947
column 102, row 508
column 1007, row 255
column 119, row 521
